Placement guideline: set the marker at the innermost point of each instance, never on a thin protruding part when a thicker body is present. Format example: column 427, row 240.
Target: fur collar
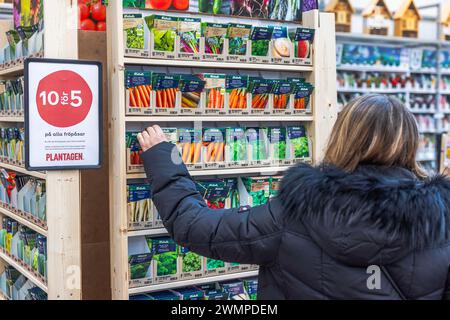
column 374, row 213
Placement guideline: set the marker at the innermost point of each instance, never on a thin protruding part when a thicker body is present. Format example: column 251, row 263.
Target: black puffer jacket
column 317, row 239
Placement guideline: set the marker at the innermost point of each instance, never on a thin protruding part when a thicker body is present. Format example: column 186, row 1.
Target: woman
column 366, row 224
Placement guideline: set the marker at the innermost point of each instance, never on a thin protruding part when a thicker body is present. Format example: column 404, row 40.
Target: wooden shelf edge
column 223, row 172
column 11, row 119
column 186, row 283
column 30, row 276
column 36, row 174
column 216, row 65
column 223, row 118
column 24, row 221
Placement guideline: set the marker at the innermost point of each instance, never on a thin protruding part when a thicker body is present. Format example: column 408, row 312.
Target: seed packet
column 282, row 95
column 303, row 42
column 236, row 146
column 171, row 134
column 277, row 144
column 133, row 3
column 286, row 11
column 165, row 258
column 189, row 31
column 236, row 88
column 134, row 151
column 213, row 7
column 140, row 207
column 235, row 289
column 255, row 191
column 139, row 88
column 302, row 95
column 275, row 185
column 163, row 295
column 166, row 89
column 252, row 8
column 133, row 27
column 163, row 30
column 257, row 148
column 238, row 35
column 190, row 145
column 232, row 200
column 260, row 90
column 189, row 293
column 281, row 45
column 140, row 261
column 260, row 38
column 251, row 287
column 191, row 264
column 215, row 92
column 191, row 88
column 214, row 35
column 213, row 146
column 297, row 143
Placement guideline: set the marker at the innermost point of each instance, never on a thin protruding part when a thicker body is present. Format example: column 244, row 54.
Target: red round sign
column 63, row 99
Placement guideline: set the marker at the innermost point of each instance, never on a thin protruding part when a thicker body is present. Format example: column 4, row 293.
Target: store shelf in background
column 37, row 174
column 376, row 39
column 13, row 71
column 426, row 159
column 12, row 119
column 356, row 68
column 224, row 118
column 370, row 90
column 197, row 282
column 23, row 221
column 24, row 271
column 217, row 65
column 224, row 172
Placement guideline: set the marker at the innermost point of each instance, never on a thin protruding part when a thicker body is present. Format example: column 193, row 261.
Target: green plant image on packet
column 212, row 264
column 191, row 262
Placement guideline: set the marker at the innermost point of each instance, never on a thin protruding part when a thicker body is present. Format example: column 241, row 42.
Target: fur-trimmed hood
column 374, row 215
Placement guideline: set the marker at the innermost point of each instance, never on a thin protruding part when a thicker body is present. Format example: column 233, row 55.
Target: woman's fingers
column 151, row 137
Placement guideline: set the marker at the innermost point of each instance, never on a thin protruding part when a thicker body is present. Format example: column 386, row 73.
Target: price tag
column 63, row 100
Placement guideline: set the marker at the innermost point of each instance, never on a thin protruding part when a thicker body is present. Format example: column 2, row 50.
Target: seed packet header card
column 63, row 114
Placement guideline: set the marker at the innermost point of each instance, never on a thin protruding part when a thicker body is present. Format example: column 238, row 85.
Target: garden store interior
column 245, row 92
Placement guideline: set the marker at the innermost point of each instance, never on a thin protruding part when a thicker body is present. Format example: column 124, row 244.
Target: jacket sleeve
column 245, row 236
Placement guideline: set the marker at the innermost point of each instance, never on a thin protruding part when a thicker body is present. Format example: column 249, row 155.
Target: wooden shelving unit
column 322, row 74
column 75, row 235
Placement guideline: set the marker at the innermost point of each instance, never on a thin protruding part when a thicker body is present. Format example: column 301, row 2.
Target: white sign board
column 63, row 118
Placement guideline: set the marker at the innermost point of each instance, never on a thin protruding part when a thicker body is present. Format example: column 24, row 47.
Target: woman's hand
column 151, row 137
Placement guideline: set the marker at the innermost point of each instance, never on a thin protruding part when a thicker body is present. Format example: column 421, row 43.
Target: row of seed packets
column 185, row 38
column 11, row 97
column 150, row 93
column 12, row 146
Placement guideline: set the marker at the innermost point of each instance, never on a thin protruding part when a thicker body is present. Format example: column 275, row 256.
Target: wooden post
column 324, row 79
column 63, row 187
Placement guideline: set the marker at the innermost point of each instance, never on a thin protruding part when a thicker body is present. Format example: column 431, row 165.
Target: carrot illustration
column 242, row 101
column 209, row 151
column 220, row 105
column 191, row 152
column 185, row 154
column 219, row 152
column 158, row 99
column 198, row 148
column 132, row 99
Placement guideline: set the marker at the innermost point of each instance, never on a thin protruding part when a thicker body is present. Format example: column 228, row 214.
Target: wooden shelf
column 224, row 172
column 186, row 283
column 12, row 119
column 24, row 221
column 224, row 118
column 36, row 174
column 148, row 232
column 216, row 65
column 319, row 125
column 12, row 72
column 31, row 276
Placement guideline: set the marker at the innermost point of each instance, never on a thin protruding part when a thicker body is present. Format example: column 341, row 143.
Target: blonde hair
column 374, row 129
